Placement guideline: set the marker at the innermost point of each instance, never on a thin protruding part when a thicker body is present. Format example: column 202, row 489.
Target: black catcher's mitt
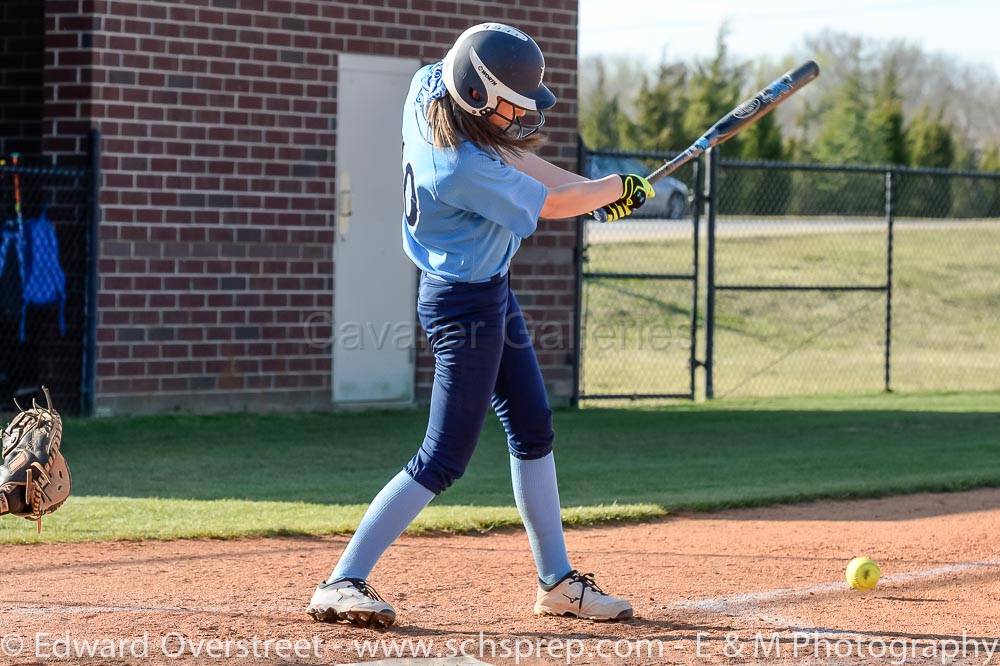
column 34, row 476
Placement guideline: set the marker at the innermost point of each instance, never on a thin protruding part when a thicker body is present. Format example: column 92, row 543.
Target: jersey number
column 410, row 207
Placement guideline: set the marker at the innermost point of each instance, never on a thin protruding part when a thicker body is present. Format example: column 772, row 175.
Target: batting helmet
column 493, row 61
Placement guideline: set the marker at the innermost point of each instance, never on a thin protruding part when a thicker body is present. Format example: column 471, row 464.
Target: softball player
column 472, row 191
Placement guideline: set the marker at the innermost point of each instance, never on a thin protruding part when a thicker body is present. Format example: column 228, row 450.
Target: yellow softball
column 863, row 574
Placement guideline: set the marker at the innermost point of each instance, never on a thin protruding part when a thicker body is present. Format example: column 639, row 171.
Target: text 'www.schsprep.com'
column 177, row 645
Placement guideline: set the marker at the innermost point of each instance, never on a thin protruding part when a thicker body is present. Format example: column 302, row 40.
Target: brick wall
column 21, row 72
column 219, row 124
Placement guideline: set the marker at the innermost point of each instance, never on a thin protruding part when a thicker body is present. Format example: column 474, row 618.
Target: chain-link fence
column 45, row 277
column 812, row 279
column 946, row 298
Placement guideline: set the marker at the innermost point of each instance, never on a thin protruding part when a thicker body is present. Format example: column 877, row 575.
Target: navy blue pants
column 482, row 356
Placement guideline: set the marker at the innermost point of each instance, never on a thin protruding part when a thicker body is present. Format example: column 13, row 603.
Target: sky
column 966, row 29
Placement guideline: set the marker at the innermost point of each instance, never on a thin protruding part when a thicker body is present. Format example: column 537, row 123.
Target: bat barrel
column 804, row 73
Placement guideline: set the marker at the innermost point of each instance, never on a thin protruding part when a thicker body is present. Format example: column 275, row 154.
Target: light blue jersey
column 464, row 210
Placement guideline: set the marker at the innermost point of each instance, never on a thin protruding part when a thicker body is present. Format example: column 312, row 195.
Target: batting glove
column 635, row 190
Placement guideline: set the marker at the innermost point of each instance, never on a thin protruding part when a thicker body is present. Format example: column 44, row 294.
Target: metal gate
column 637, row 288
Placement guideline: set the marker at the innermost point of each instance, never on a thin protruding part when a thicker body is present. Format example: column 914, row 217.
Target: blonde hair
column 450, row 125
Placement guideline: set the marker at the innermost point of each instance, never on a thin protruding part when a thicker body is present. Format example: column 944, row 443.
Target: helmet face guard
column 491, row 62
column 524, row 129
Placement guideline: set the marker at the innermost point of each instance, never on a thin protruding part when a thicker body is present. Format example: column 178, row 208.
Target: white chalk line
column 721, row 604
column 745, row 605
column 71, row 609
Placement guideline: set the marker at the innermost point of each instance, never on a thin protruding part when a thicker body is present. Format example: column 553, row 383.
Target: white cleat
column 350, row 600
column 577, row 595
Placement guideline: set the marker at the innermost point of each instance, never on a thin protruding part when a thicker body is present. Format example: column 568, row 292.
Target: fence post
column 93, row 245
column 696, row 204
column 711, row 192
column 890, row 223
column 578, row 250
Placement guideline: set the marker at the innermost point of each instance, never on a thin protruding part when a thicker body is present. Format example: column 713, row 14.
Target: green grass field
column 946, row 314
column 309, row 474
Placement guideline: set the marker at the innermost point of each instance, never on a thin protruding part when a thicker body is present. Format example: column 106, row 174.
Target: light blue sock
column 395, row 507
column 537, row 496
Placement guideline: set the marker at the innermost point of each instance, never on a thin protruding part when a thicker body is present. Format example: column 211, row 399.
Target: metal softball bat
column 738, row 119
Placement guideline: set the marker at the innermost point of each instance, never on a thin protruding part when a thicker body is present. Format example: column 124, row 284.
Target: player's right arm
column 568, row 192
column 581, row 197
column 542, row 170
column 616, row 195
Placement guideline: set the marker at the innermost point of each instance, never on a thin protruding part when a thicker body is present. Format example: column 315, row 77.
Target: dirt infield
column 723, row 584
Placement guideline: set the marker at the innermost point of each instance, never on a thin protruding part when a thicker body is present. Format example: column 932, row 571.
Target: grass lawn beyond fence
column 945, row 312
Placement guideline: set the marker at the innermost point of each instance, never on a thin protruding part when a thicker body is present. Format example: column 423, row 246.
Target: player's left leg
column 521, row 403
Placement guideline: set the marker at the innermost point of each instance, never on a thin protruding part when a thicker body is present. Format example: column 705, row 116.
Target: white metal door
column 375, row 283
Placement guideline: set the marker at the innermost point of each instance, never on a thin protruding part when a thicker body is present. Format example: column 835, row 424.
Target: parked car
column 671, row 200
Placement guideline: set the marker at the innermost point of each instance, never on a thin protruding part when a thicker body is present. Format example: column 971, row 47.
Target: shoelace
column 366, row 589
column 587, row 580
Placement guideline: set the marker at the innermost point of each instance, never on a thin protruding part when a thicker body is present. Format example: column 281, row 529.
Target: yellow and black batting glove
column 616, row 210
column 635, row 190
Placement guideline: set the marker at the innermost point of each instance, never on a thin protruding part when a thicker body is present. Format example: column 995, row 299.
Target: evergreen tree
column 845, row 137
column 659, row 112
column 601, row 119
column 887, row 127
column 930, row 143
column 990, row 159
column 713, row 90
column 797, row 147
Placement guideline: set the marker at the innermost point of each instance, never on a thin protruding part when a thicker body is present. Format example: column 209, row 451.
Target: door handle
column 344, row 205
